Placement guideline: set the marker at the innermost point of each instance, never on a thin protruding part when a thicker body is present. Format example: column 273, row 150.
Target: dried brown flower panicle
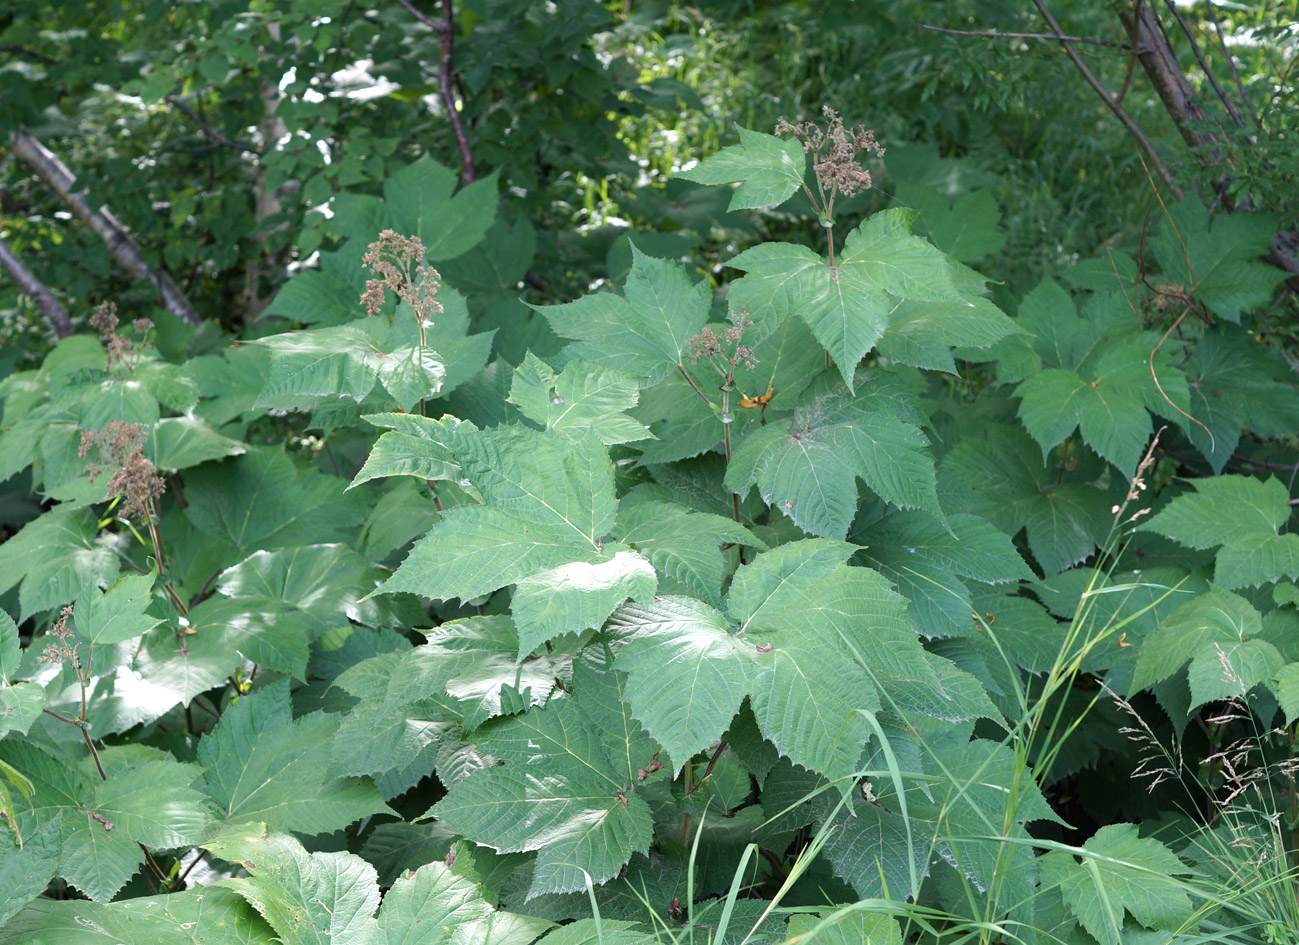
column 119, row 348
column 724, row 348
column 61, row 649
column 399, row 263
column 120, row 449
column 834, row 151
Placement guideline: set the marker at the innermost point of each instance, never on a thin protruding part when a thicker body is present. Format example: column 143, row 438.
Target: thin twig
column 1245, row 103
column 29, row 53
column 124, row 250
column 1277, row 467
column 1124, row 118
column 721, row 747
column 423, row 17
column 994, row 34
column 208, row 131
column 1204, row 65
column 445, row 28
column 445, row 70
column 193, row 863
column 693, row 385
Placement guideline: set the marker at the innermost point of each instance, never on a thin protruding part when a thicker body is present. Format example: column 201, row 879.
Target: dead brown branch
column 124, row 250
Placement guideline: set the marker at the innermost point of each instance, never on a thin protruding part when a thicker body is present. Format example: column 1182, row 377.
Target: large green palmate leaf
column 644, row 333
column 427, row 697
column 26, row 870
column 20, row 702
column 1000, row 478
column 807, row 467
column 965, row 230
column 1237, row 381
column 1213, row 632
column 977, row 802
column 579, row 595
column 412, row 446
column 1123, row 872
column 103, row 823
column 264, row 500
column 566, row 789
column 810, row 641
column 264, row 766
column 548, row 506
column 421, row 200
column 583, row 398
column 687, row 673
column 688, row 425
column 347, row 361
column 307, row 898
column 547, row 502
column 1108, row 402
column 268, row 609
column 1243, row 515
column 767, row 169
column 853, row 928
column 204, row 916
column 929, row 563
column 846, row 305
column 436, row 905
column 683, row 546
column 180, row 442
column 1218, row 263
column 923, row 334
column 55, row 557
column 117, row 615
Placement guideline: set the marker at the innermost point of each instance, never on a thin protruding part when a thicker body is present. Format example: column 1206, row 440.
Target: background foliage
column 701, row 538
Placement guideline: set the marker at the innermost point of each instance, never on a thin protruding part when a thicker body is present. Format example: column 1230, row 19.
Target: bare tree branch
column 1235, row 73
column 34, row 289
column 423, row 17
column 1124, row 118
column 1204, row 65
column 29, row 53
column 445, row 28
column 124, row 250
column 448, row 95
column 208, row 131
column 994, row 34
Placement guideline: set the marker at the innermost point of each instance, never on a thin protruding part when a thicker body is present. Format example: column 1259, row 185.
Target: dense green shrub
column 770, row 574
